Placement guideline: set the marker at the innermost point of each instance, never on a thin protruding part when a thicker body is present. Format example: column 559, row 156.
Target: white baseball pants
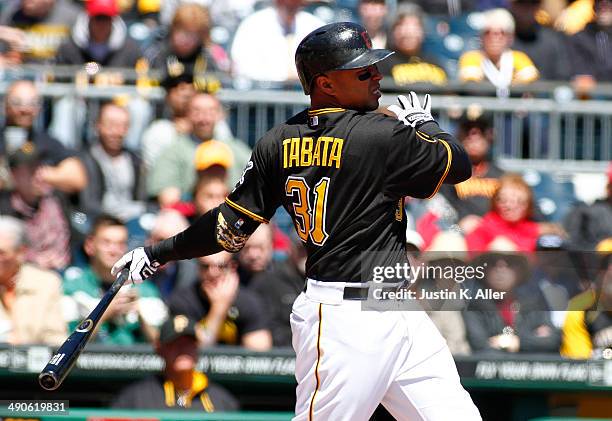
column 348, row 361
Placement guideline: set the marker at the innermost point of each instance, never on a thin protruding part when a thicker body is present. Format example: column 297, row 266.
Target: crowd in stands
column 72, row 202
column 505, row 42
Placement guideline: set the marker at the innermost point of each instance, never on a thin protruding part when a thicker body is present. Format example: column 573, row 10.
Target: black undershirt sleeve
column 222, row 228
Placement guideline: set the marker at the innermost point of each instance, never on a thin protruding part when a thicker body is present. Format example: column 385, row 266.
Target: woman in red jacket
column 510, row 219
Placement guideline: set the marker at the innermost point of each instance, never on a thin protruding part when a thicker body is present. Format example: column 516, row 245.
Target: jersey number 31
column 309, row 220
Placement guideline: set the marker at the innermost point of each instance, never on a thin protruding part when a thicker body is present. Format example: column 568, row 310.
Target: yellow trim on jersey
column 446, row 170
column 246, row 212
column 325, row 111
column 311, row 411
column 426, row 137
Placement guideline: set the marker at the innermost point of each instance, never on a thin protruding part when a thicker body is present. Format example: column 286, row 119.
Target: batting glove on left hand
column 411, row 113
column 139, row 263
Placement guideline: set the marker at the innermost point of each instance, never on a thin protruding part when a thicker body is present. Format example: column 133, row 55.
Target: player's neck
column 318, row 102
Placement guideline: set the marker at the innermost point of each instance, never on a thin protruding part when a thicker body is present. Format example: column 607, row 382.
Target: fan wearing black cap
column 180, row 385
column 342, row 171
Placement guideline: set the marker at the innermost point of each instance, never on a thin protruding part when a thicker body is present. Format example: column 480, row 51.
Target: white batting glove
column 140, row 265
column 411, row 113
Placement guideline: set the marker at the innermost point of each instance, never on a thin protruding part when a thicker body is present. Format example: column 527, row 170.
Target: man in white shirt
column 265, row 42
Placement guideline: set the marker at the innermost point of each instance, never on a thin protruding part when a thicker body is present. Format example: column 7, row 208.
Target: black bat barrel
column 58, row 367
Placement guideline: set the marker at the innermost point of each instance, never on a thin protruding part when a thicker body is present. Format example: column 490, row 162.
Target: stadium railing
column 572, row 135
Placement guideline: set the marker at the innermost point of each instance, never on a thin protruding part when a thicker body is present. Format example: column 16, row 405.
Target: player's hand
column 139, row 263
column 410, row 112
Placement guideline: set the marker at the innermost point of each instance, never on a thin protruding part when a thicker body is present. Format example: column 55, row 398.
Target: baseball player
column 341, row 171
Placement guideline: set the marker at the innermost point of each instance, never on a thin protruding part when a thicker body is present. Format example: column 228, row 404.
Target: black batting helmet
column 337, row 46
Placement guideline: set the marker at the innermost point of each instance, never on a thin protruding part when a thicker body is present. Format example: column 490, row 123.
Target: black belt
column 359, row 293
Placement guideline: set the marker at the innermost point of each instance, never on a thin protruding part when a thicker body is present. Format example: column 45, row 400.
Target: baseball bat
column 58, row 367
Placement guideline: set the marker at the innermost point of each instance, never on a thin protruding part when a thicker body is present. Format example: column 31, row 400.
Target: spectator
column 256, row 255
column 575, row 16
column 210, row 191
column 472, row 198
column 12, row 46
column 447, row 253
column 496, row 62
column 162, row 133
column 373, row 14
column 174, row 174
column 43, row 211
column 554, row 276
column 587, row 225
column 510, row 220
column 180, row 385
column 515, row 323
column 175, row 274
column 590, row 49
column 587, row 331
column 136, row 311
column 46, row 24
column 60, row 168
column 462, row 207
column 213, row 158
column 230, row 315
column 457, row 8
column 30, row 297
column 116, row 176
column 409, row 64
column 278, row 287
column 226, row 14
column 265, row 42
column 189, row 46
column 100, row 36
column 545, row 46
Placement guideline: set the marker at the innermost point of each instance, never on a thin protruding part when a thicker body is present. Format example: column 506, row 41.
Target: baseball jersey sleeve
column 254, row 194
column 420, row 161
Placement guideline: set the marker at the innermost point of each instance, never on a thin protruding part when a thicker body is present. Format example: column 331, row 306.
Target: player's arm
column 226, row 227
column 422, row 156
column 222, row 228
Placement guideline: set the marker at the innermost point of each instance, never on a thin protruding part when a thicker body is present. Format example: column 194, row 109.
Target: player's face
column 357, row 89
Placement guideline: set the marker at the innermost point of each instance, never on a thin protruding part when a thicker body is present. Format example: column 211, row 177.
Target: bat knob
column 48, row 381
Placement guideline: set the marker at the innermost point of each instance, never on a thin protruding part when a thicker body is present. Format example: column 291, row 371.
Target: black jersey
column 342, row 176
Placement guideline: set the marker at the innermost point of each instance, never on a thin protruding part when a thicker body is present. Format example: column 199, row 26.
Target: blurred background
column 124, row 120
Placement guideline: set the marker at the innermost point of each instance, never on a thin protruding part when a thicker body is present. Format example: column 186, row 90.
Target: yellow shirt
column 471, row 70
